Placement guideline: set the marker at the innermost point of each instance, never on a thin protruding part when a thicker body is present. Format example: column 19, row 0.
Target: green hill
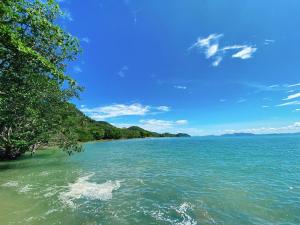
column 88, row 129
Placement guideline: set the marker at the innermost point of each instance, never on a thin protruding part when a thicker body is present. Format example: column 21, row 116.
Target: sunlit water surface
column 183, row 181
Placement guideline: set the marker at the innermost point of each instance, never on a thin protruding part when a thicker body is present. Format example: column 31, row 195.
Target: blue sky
column 197, row 66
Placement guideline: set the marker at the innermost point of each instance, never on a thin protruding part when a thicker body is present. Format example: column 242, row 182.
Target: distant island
column 238, row 135
column 251, row 134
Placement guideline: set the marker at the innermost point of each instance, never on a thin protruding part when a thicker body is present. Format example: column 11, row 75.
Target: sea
column 171, row 181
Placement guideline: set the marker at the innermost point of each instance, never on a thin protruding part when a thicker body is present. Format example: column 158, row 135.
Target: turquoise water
column 183, row 181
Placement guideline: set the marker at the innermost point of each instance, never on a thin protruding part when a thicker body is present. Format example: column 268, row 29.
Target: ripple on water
column 82, row 188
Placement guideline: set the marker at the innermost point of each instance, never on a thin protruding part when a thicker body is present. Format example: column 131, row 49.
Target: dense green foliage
column 34, row 89
column 90, row 130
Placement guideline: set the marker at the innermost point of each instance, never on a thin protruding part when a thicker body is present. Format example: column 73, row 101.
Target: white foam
column 26, row 188
column 82, row 188
column 183, row 212
column 11, row 183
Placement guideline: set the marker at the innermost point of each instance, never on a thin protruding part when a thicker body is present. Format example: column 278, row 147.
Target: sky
column 199, row 66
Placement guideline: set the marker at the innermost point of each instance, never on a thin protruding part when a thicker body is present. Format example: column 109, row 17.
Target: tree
column 34, row 88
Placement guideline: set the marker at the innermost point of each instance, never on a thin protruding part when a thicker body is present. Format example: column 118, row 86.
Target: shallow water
column 183, row 181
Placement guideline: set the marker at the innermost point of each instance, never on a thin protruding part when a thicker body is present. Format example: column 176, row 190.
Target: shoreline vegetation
column 35, row 89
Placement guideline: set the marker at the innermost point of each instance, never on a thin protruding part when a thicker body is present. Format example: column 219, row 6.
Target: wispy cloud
column 123, row 70
column 297, row 95
column 217, row 61
column 289, row 103
column 245, row 53
column 116, row 110
column 181, row 122
column 269, row 41
column 294, row 85
column 211, row 48
column 265, row 88
column 161, row 125
column 180, row 87
column 163, row 108
column 295, row 127
column 120, row 110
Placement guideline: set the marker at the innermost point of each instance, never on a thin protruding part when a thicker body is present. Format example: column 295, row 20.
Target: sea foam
column 182, row 211
column 11, row 183
column 82, row 188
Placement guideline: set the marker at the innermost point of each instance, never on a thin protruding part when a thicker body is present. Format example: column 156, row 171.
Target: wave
column 82, row 188
column 182, row 211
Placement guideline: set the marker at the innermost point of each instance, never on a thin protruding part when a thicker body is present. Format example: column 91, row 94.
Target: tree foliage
column 34, row 88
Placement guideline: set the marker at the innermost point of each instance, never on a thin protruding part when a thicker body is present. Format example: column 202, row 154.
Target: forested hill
column 88, row 129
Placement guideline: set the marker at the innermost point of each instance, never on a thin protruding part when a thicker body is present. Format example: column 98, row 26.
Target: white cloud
column 181, row 122
column 290, row 103
column 294, row 85
column 297, row 95
column 116, row 110
column 85, row 39
column 265, row 88
column 265, row 106
column 180, row 87
column 298, row 110
column 295, row 127
column 217, row 61
column 206, row 42
column 273, row 86
column 163, row 108
column 210, row 47
column 245, row 53
column 120, row 110
column 122, row 72
column 212, row 50
column 269, row 41
column 289, row 128
column 156, row 124
column 161, row 125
